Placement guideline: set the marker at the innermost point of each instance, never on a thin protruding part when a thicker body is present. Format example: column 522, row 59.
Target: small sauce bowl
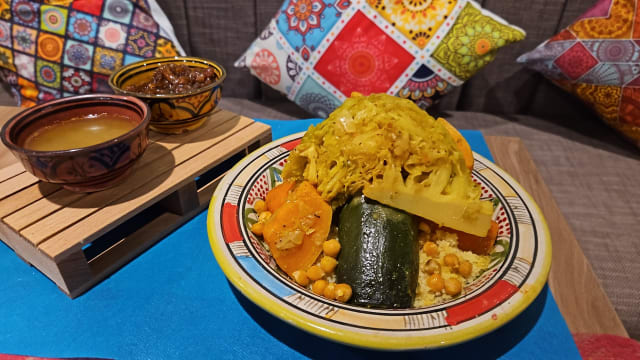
column 83, row 169
column 172, row 113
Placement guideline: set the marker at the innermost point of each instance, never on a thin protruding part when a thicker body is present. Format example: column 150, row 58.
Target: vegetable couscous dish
column 378, row 208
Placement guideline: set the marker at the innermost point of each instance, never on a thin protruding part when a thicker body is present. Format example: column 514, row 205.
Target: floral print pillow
column 318, row 52
column 55, row 48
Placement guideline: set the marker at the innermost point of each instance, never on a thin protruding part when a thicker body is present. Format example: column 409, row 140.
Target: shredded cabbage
column 397, row 154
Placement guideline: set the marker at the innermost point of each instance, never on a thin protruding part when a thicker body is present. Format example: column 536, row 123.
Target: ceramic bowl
column 518, row 270
column 86, row 169
column 172, row 113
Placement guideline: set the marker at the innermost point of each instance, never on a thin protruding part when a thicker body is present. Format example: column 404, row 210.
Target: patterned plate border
column 500, row 296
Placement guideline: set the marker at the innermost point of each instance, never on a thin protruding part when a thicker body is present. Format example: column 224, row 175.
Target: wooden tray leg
column 183, row 200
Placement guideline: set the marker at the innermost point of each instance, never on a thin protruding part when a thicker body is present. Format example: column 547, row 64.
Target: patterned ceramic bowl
column 86, row 169
column 172, row 113
column 520, row 263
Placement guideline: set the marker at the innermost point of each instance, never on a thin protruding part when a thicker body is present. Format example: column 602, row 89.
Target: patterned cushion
column 318, row 52
column 55, row 48
column 597, row 58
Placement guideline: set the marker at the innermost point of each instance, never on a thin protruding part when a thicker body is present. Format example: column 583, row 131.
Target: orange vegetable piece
column 462, row 144
column 278, row 195
column 298, row 228
column 477, row 244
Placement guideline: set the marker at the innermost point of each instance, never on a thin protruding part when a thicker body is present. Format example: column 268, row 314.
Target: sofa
column 591, row 171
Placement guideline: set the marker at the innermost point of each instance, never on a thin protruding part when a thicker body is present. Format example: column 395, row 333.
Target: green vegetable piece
column 379, row 256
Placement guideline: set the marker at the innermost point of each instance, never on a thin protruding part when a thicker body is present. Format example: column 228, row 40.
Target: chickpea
column 451, row 260
column 343, row 292
column 315, row 273
column 318, row 286
column 259, row 206
column 435, row 282
column 465, row 269
column 452, row 286
column 432, row 266
column 328, row 264
column 330, row 291
column 264, row 216
column 331, row 247
column 301, row 277
column 430, row 248
column 424, row 226
column 257, row 228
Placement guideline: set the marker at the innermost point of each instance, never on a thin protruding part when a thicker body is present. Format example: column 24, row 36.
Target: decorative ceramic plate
column 518, row 270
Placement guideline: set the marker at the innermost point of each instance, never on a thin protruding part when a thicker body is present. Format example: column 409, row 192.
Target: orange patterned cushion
column 597, row 58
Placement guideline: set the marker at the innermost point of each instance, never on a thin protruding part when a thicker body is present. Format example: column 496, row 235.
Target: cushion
column 55, row 48
column 597, row 58
column 317, row 52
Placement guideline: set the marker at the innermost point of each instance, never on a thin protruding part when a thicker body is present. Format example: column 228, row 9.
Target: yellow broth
column 79, row 132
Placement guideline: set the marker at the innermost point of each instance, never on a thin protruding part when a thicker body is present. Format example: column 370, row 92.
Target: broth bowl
column 172, row 113
column 81, row 169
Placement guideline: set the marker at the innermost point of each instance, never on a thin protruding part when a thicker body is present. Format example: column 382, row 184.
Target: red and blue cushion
column 317, row 52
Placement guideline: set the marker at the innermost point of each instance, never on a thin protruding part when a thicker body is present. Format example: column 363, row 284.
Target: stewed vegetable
column 379, row 256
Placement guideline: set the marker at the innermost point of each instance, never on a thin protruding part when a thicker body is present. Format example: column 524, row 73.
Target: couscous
column 441, row 262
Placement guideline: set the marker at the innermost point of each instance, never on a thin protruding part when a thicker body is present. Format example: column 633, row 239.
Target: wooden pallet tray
column 79, row 239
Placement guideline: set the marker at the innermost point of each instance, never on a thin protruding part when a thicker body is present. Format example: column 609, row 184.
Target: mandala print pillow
column 55, row 48
column 319, row 51
column 597, row 58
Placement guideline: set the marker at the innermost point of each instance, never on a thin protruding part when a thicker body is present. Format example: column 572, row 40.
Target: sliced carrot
column 298, row 228
column 461, row 142
column 278, row 195
column 477, row 244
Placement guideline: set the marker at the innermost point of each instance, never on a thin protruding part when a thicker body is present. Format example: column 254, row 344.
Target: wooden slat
column 10, row 170
column 48, row 205
column 25, row 197
column 97, row 224
column 575, row 287
column 85, row 206
column 206, row 192
column 7, row 159
column 16, row 183
column 41, row 208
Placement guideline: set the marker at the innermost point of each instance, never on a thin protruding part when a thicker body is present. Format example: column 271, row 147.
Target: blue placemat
column 174, row 302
